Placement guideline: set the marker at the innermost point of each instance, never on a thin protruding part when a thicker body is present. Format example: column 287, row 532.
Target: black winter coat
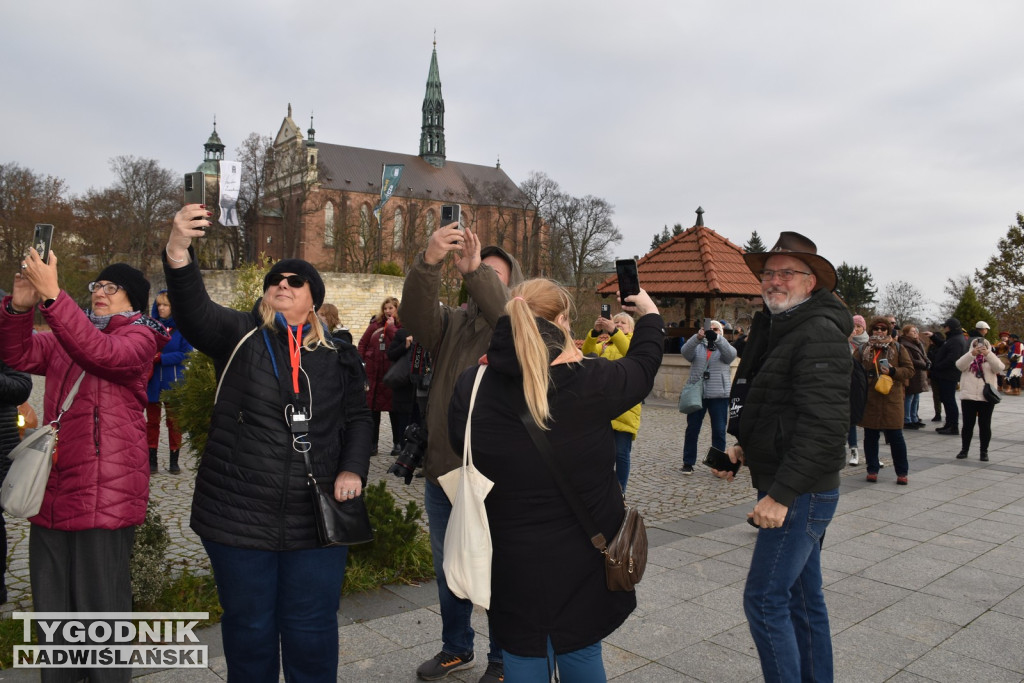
column 945, row 357
column 251, row 487
column 15, row 388
column 796, row 416
column 547, row 580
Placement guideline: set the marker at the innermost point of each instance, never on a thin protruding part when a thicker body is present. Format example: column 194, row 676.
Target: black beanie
column 134, row 283
column 303, row 268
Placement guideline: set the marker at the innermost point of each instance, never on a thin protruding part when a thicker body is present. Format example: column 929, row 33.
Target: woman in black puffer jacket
column 252, row 507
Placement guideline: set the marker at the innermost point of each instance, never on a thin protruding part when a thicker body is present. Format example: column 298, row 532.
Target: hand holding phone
column 719, row 460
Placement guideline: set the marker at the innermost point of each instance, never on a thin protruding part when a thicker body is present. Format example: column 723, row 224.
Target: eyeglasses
column 109, row 288
column 784, row 275
column 294, row 281
column 879, row 328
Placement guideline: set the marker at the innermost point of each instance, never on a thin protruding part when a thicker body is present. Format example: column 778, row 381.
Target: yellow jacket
column 617, row 346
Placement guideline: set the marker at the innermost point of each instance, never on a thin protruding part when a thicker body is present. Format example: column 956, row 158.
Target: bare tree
column 27, row 198
column 583, row 231
column 151, row 196
column 537, row 202
column 903, row 301
column 255, row 155
column 290, row 190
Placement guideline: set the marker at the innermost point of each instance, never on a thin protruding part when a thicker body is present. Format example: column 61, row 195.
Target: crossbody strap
column 540, row 440
column 67, row 401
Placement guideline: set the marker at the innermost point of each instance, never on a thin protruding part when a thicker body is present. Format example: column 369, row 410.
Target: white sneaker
column 854, row 457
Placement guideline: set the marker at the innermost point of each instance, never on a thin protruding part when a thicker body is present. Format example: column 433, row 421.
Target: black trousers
column 81, row 571
column 947, row 390
column 982, row 411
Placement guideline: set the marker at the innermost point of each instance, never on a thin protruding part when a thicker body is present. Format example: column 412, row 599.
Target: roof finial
column 435, row 38
column 700, row 217
column 214, row 123
column 289, row 110
column 499, row 161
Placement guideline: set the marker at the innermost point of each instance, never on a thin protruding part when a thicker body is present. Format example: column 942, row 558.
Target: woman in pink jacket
column 81, row 540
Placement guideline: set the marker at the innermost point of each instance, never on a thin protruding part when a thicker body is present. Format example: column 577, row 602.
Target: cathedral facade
column 320, row 199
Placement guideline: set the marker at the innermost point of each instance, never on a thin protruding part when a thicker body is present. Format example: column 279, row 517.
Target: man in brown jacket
column 456, row 339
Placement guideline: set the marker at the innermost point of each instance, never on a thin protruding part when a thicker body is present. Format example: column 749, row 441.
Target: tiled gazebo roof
column 696, row 262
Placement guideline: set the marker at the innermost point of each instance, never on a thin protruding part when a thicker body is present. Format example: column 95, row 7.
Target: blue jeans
column 783, row 598
column 579, row 666
column 285, row 600
column 719, row 409
column 623, row 447
column 456, row 629
column 897, row 446
column 911, row 403
column 851, row 439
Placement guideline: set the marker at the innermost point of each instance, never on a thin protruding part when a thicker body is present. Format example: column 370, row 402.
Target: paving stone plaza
column 923, row 582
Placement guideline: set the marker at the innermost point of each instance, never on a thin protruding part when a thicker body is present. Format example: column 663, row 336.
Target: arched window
column 329, row 225
column 364, row 224
column 431, row 223
column 398, row 229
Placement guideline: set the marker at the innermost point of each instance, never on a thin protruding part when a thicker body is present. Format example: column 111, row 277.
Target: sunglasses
column 879, row 328
column 294, row 281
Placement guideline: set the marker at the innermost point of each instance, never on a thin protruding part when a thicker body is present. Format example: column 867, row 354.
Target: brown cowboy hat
column 796, row 245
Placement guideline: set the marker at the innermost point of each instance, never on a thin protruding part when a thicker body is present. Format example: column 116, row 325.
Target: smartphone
column 629, row 280
column 42, row 239
column 606, row 311
column 451, row 213
column 719, row 460
column 195, row 188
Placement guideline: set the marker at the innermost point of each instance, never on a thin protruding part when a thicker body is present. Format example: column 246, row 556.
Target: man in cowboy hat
column 791, row 417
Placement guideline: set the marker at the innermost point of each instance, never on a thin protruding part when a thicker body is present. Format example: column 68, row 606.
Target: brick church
column 320, row 199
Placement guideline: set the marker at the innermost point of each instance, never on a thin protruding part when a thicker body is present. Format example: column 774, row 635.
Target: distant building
column 320, row 199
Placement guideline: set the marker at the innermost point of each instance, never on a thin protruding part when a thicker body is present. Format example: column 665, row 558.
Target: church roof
column 357, row 169
column 697, row 261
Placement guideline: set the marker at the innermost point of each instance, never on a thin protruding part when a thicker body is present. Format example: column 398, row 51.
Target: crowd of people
column 297, row 402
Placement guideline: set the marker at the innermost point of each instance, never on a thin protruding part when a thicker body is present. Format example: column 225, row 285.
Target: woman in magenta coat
column 81, row 539
column 373, row 349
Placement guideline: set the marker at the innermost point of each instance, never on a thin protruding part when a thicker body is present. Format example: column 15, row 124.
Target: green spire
column 432, row 129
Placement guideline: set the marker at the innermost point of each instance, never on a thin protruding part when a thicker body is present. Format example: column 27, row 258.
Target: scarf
column 101, row 321
column 976, row 366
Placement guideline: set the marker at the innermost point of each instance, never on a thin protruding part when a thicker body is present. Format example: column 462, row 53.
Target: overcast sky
column 888, row 132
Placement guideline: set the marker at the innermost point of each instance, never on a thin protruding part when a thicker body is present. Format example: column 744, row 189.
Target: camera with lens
column 411, row 455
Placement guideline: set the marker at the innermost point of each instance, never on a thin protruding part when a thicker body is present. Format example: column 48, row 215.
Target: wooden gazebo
column 696, row 264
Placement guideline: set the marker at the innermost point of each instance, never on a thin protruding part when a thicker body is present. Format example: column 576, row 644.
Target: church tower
column 432, row 130
column 213, row 155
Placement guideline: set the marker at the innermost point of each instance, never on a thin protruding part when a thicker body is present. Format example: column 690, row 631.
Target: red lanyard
column 294, row 351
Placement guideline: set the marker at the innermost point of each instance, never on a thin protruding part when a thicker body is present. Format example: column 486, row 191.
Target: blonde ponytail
column 545, row 299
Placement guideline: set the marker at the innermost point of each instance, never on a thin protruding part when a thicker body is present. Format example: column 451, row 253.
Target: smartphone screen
column 629, row 280
column 42, row 240
column 451, row 213
column 195, row 188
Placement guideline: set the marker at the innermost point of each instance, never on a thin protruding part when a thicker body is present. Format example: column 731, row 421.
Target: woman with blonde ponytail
column 550, row 606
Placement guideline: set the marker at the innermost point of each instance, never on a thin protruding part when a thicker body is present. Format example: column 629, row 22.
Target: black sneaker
column 687, row 469
column 443, row 664
column 495, row 673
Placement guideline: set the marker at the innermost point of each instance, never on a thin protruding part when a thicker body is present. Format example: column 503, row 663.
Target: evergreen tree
column 854, row 284
column 755, row 245
column 1001, row 282
column 660, row 239
column 969, row 311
